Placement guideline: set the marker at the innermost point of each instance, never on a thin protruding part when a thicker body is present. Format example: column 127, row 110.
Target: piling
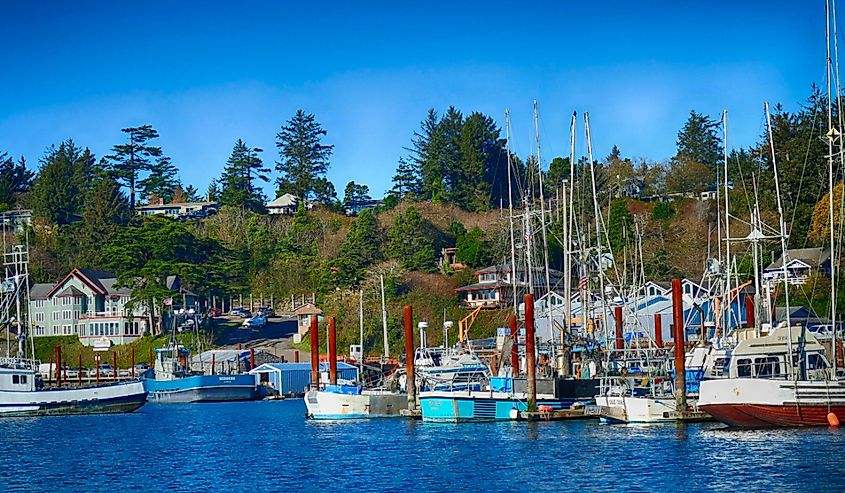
column 410, row 383
column 251, row 358
column 315, row 354
column 749, row 310
column 530, row 363
column 620, row 339
column 114, row 364
column 79, row 373
column 332, row 352
column 213, row 363
column 132, row 368
column 678, row 336
column 58, row 366
column 514, row 348
column 296, row 356
column 97, row 370
column 151, row 357
column 658, row 330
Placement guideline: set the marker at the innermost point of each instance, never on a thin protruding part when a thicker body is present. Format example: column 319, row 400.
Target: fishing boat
column 335, row 402
column 172, row 381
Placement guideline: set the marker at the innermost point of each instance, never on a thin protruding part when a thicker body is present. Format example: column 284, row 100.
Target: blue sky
column 206, row 74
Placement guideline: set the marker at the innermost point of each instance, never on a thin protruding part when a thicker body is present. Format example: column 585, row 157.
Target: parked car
column 256, row 321
column 68, row 372
column 236, row 312
column 246, row 314
column 105, row 370
column 266, row 312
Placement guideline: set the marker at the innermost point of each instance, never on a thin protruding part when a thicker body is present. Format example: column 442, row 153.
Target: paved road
column 276, row 329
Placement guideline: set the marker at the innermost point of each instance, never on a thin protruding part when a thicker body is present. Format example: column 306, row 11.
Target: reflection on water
column 269, row 446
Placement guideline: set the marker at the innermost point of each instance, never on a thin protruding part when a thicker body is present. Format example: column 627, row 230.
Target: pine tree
column 355, row 192
column 106, row 209
column 65, row 174
column 325, row 194
column 129, row 160
column 161, row 180
column 304, row 158
column 699, row 142
column 360, row 249
column 406, row 181
column 15, row 180
column 237, row 184
column 408, row 242
column 426, row 147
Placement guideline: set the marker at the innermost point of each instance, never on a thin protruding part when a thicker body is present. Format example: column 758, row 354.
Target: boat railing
column 19, row 363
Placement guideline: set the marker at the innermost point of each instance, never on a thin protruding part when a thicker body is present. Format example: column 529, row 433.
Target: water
column 269, row 446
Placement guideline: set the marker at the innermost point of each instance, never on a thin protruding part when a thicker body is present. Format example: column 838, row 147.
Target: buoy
column 832, row 419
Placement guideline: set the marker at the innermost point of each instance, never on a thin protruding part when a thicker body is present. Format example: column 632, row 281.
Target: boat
column 170, row 381
column 335, row 402
column 759, row 391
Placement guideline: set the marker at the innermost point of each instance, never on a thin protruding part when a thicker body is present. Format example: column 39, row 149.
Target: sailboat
column 21, row 392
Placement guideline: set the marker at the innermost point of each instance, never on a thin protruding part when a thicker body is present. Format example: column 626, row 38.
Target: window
column 767, row 367
column 743, row 367
column 816, row 362
column 39, row 316
column 55, row 301
column 16, row 379
column 67, row 300
column 67, row 314
column 23, row 378
column 56, row 315
column 39, row 303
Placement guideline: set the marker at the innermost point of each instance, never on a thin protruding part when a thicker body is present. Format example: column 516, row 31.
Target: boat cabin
column 766, row 356
column 17, row 378
column 172, row 362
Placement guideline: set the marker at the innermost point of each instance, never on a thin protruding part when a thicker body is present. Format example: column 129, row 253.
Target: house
column 494, row 288
column 87, row 303
column 303, row 319
column 708, row 195
column 448, row 256
column 183, row 210
column 354, row 207
column 799, row 315
column 801, row 262
column 285, row 205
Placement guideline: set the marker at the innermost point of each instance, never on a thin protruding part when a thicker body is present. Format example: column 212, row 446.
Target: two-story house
column 87, row 303
column 494, row 288
column 801, row 262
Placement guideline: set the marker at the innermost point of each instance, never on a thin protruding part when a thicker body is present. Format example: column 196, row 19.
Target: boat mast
column 386, row 355
column 830, row 8
column 783, row 246
column 510, row 210
column 726, row 303
column 567, row 232
column 597, row 213
column 543, row 226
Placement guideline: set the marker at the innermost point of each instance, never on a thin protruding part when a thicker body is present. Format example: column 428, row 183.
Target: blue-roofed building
column 294, row 379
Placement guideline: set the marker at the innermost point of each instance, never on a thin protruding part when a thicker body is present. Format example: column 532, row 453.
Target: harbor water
column 269, row 446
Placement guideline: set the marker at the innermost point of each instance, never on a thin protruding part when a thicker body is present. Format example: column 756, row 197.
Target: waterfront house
column 354, row 207
column 87, row 303
column 494, row 288
column 183, row 210
column 801, row 262
column 285, row 205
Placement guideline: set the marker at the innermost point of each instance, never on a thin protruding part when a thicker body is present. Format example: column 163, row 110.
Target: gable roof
column 286, row 200
column 40, row 290
column 71, row 291
column 813, row 257
column 307, row 309
column 90, row 277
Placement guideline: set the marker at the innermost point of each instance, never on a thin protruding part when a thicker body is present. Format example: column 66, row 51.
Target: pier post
column 213, row 363
column 658, row 330
column 410, row 383
column 152, row 365
column 678, row 336
column 515, row 347
column 251, row 358
column 79, row 372
column 58, row 366
column 530, row 363
column 332, row 352
column 315, row 354
column 296, row 356
column 114, row 366
column 749, row 311
column 620, row 339
column 132, row 368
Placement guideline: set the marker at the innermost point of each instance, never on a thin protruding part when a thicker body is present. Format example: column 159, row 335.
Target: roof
column 40, row 290
column 90, row 277
column 299, row 367
column 484, row 285
column 71, row 291
column 507, row 268
column 176, row 204
column 286, row 200
column 110, row 285
column 307, row 309
column 814, row 257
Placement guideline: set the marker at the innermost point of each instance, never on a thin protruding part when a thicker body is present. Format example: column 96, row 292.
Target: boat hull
column 464, row 406
column 761, row 403
column 323, row 405
column 616, row 409
column 202, row 388
column 108, row 399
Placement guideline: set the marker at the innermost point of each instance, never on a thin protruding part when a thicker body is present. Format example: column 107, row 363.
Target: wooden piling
column 749, row 310
column 658, row 330
column 515, row 346
column 58, row 366
column 251, row 358
column 332, row 352
column 213, row 363
column 620, row 339
column 530, row 355
column 410, row 383
column 114, row 364
column 679, row 339
column 132, row 368
column 315, row 354
column 79, row 372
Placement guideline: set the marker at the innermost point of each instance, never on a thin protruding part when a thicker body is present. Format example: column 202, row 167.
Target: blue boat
column 172, row 381
column 499, row 402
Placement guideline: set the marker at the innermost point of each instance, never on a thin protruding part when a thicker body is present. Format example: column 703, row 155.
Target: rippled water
column 268, row 446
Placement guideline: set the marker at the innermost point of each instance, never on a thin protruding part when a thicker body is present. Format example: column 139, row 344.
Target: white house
column 801, row 262
column 284, row 205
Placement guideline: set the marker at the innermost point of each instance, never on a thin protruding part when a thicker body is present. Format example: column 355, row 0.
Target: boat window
column 23, row 378
column 816, row 362
column 16, row 379
column 743, row 367
column 767, row 367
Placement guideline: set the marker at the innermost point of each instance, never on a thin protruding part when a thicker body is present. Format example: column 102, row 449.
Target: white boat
column 629, row 400
column 352, row 402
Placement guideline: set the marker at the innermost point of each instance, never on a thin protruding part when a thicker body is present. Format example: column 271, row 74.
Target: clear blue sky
column 205, row 74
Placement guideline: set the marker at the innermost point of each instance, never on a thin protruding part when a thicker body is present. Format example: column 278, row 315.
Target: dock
column 582, row 412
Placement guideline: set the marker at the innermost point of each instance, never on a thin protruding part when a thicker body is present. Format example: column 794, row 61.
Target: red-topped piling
column 296, row 356
column 515, row 347
column 332, row 352
column 530, row 362
column 315, row 354
column 658, row 330
column 679, row 339
column 749, row 310
column 620, row 339
column 251, row 358
column 410, row 383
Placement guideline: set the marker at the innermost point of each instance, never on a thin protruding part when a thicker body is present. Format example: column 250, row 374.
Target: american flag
column 582, row 283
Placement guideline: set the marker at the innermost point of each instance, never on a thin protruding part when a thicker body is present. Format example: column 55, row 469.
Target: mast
column 727, row 302
column 830, row 8
column 386, row 355
column 597, row 213
column 543, row 225
column 783, row 246
column 567, row 231
column 510, row 211
column 361, row 330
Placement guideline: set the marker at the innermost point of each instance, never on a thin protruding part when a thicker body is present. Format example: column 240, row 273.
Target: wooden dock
column 583, row 412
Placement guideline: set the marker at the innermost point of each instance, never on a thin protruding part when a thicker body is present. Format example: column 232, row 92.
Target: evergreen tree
column 58, row 192
column 304, row 159
column 15, row 180
column 129, row 160
column 161, row 180
column 426, row 149
column 238, row 188
column 471, row 249
column 619, row 224
column 408, row 242
column 106, row 209
column 324, row 194
column 355, row 192
column 360, row 249
column 406, row 181
column 699, row 142
column 192, row 194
